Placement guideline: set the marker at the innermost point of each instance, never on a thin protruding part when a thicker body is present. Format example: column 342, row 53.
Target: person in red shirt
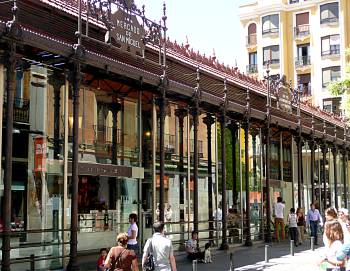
column 101, row 260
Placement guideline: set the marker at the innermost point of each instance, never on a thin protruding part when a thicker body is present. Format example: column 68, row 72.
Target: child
column 207, row 253
column 293, row 226
column 101, row 260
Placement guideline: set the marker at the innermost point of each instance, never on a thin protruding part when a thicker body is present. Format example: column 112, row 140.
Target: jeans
column 293, row 232
column 279, row 223
column 313, row 228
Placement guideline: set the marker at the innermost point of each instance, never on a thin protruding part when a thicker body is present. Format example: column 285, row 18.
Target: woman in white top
column 335, row 238
column 132, row 233
column 293, row 227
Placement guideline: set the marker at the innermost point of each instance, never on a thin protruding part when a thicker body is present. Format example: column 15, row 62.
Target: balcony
column 270, row 31
column 272, row 62
column 200, row 148
column 104, row 135
column 302, row 61
column 330, row 20
column 169, row 143
column 302, row 31
column 20, row 110
column 333, row 50
column 251, row 40
column 293, row 1
column 252, row 68
column 306, row 90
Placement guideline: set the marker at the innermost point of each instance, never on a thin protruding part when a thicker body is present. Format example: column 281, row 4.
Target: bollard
column 312, row 243
column 32, row 262
column 266, row 254
column 232, row 268
column 194, row 265
column 292, row 247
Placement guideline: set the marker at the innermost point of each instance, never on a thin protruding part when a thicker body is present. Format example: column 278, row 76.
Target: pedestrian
column 330, row 215
column 101, row 260
column 192, row 248
column 293, row 227
column 279, row 219
column 132, row 232
column 168, row 215
column 217, row 215
column 343, row 215
column 313, row 219
column 161, row 248
column 335, row 239
column 301, row 225
column 120, row 258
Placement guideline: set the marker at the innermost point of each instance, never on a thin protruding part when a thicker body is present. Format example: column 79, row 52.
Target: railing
column 306, row 90
column 252, row 68
column 270, row 31
column 334, row 50
column 329, row 20
column 20, row 110
column 104, row 134
column 251, row 40
column 271, row 61
column 293, row 1
column 169, row 143
column 302, row 61
column 301, row 30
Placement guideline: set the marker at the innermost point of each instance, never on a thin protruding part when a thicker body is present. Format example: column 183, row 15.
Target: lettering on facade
column 284, row 96
column 106, row 170
column 127, row 31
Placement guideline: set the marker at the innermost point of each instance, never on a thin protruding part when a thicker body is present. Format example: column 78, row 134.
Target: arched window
column 251, row 40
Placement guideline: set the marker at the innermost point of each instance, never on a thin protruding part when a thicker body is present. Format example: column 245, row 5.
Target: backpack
column 149, row 264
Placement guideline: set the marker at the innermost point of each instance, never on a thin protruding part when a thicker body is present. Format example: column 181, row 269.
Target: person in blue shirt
column 313, row 218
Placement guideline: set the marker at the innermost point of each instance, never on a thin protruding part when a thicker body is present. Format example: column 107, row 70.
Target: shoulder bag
column 117, row 262
column 149, row 264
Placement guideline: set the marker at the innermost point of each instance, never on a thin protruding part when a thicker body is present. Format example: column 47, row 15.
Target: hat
column 344, row 211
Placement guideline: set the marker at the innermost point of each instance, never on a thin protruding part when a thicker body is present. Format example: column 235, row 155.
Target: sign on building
column 284, row 96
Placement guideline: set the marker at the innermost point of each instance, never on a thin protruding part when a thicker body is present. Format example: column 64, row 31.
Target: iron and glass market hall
column 104, row 116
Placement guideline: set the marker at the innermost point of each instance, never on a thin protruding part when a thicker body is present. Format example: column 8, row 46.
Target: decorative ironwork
column 103, row 10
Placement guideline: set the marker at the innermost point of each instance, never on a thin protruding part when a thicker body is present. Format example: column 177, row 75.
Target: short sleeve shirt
column 132, row 227
column 279, row 208
column 162, row 249
column 192, row 244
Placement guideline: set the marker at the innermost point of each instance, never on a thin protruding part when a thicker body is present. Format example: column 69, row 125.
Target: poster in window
column 40, row 151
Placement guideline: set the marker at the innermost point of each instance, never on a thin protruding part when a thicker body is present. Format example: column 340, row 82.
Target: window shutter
column 302, row 19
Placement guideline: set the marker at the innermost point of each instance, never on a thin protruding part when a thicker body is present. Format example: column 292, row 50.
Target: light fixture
column 16, row 131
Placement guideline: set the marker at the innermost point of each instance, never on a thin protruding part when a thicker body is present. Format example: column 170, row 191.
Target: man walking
column 312, row 219
column 279, row 220
column 161, row 248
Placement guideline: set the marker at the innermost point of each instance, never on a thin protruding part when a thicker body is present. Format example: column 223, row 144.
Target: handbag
column 149, row 264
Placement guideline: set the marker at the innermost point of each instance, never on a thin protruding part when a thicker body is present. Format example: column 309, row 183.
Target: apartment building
column 303, row 39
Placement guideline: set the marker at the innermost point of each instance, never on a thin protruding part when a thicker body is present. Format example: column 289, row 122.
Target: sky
column 207, row 24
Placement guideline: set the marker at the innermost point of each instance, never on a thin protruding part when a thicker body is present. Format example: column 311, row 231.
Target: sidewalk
column 249, row 259
column 253, row 258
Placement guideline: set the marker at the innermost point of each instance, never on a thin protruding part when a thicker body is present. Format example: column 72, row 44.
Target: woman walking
column 301, row 225
column 132, row 232
column 120, row 258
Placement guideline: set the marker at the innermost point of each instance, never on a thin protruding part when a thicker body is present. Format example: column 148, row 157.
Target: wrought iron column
column 254, row 133
column 234, row 128
column 267, row 159
column 115, row 107
column 345, row 192
column 335, row 153
column 162, row 103
column 324, row 149
column 299, row 142
column 224, row 245
column 209, row 121
column 312, row 146
column 10, row 86
column 248, row 241
column 195, row 115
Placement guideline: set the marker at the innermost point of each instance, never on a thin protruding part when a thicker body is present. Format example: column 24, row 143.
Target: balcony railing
column 293, row 1
column 333, row 50
column 169, row 143
column 104, row 134
column 270, row 31
column 252, row 68
column 20, row 110
column 301, row 31
column 306, row 90
column 271, row 62
column 302, row 61
column 251, row 40
column 329, row 20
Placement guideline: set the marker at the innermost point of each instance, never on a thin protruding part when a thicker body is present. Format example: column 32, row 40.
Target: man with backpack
column 160, row 249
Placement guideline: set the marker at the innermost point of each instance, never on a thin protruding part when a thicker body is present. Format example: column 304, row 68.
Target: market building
column 104, row 116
